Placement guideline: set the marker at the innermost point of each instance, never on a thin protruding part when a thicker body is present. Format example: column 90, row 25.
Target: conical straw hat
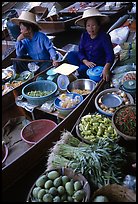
column 27, row 17
column 92, row 12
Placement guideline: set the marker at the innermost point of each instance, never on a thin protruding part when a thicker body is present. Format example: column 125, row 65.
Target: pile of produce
column 55, row 186
column 101, row 162
column 96, row 126
column 125, row 120
column 38, row 93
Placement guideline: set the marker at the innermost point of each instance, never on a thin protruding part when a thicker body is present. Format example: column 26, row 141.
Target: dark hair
column 34, row 27
column 96, row 18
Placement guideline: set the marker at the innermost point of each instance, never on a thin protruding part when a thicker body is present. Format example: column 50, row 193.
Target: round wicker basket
column 116, row 193
column 72, row 175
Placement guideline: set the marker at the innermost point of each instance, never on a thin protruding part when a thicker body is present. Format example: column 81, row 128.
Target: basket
column 36, row 130
column 116, row 126
column 72, row 175
column 116, row 193
column 43, row 85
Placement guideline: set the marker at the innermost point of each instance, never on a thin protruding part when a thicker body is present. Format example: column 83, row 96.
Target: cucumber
column 53, row 175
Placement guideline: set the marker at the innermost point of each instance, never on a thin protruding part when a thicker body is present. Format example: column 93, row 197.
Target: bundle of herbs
column 101, row 163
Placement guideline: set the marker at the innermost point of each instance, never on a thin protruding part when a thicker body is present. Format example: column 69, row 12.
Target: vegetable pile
column 54, row 186
column 125, row 120
column 101, row 163
column 96, row 126
column 38, row 93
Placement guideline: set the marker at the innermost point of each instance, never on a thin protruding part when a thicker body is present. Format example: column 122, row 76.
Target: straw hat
column 92, row 12
column 27, row 17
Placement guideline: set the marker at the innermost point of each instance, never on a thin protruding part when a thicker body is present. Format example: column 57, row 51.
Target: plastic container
column 51, row 75
column 36, row 130
column 129, row 86
column 63, row 82
column 95, row 73
column 42, row 85
column 66, row 111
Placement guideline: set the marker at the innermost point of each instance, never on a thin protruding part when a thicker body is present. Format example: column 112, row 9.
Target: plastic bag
column 130, row 182
column 119, row 35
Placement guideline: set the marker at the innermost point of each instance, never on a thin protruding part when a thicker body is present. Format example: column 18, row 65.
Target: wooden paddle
column 29, row 60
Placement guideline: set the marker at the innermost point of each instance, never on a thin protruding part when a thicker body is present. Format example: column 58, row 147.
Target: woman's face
column 92, row 27
column 24, row 30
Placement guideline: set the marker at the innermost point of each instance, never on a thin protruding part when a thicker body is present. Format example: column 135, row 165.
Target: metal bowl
column 82, row 85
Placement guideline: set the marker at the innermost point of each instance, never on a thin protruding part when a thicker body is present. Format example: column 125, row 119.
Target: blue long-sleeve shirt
column 98, row 50
column 39, row 47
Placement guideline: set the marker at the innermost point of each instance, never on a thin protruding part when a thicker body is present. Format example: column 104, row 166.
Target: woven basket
column 72, row 175
column 116, row 193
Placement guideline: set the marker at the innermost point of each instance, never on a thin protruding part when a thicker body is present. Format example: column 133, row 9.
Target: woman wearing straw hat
column 95, row 47
column 33, row 44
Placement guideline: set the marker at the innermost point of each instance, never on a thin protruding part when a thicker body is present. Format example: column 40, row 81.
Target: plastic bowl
column 118, row 128
column 71, row 174
column 36, row 130
column 82, row 85
column 66, row 111
column 43, row 85
column 94, row 73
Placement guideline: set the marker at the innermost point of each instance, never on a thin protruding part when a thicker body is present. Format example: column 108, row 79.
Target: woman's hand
column 55, row 63
column 23, row 35
column 106, row 72
column 20, row 37
column 89, row 64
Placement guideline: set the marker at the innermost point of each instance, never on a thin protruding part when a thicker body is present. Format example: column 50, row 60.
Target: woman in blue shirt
column 95, row 47
column 33, row 44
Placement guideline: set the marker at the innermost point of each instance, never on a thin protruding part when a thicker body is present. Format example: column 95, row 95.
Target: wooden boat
column 35, row 155
column 32, row 162
column 6, row 6
column 63, row 20
column 57, row 23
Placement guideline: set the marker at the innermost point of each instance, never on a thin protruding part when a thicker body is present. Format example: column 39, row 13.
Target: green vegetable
column 101, row 199
column 100, row 162
column 65, row 179
column 61, row 190
column 69, row 188
column 79, row 195
column 41, row 181
column 53, row 175
column 47, row 198
column 77, row 185
column 41, row 193
column 35, row 191
column 57, row 182
column 48, row 184
column 53, row 191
